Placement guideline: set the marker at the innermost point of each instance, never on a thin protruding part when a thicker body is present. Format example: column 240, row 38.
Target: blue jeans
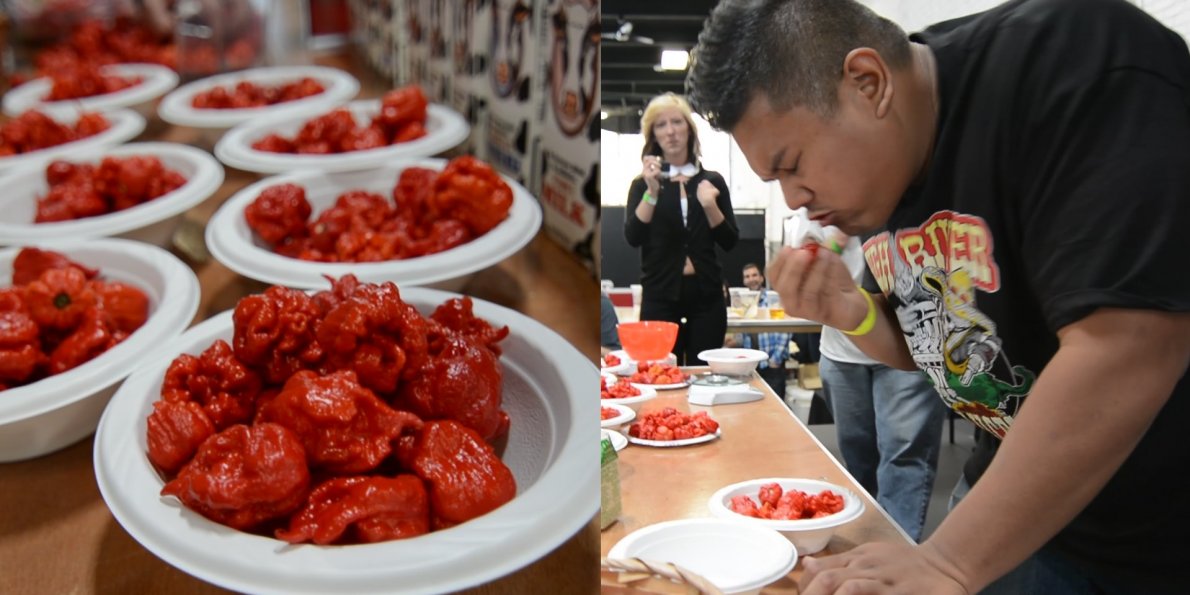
column 889, row 424
column 1046, row 571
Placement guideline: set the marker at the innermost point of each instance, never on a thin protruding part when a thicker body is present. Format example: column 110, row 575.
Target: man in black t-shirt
column 1023, row 177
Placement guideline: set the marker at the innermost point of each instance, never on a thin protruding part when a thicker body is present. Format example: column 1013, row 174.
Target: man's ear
column 867, row 79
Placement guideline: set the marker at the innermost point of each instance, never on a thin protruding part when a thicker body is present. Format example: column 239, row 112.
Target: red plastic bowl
column 648, row 340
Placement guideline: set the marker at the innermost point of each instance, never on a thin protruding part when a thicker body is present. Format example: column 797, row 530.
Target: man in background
column 774, row 344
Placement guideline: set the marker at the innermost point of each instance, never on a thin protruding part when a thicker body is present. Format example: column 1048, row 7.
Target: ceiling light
column 674, row 59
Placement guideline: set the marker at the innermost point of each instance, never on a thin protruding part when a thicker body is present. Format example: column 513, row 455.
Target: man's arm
column 1113, row 372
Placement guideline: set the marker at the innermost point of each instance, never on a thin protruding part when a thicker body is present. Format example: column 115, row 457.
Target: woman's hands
column 651, row 173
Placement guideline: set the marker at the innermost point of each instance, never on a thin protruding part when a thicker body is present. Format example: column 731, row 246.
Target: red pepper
column 88, row 340
column 30, row 263
column 175, row 431
column 472, row 192
column 370, row 509
column 59, row 298
column 243, row 476
column 465, row 476
column 20, row 347
column 274, row 333
column 126, row 307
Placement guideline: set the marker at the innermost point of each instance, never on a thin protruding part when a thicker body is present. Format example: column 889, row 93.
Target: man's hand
column 729, row 341
column 815, row 284
column 881, row 568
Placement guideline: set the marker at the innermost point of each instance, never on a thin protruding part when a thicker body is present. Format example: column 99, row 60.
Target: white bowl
column 735, row 558
column 809, row 535
column 234, row 244
column 647, row 393
column 57, row 411
column 619, row 442
column 124, row 125
column 626, row 414
column 156, row 80
column 152, row 222
column 177, row 107
column 733, row 361
column 628, row 365
column 546, row 388
column 445, row 129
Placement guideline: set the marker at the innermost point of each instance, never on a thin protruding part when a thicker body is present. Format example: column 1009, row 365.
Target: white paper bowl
column 733, row 361
column 735, row 558
column 647, row 393
column 626, row 414
column 156, row 80
column 628, row 365
column 233, row 243
column 546, row 389
column 152, row 222
column 124, row 125
column 57, row 411
column 177, row 107
column 445, row 129
column 809, row 535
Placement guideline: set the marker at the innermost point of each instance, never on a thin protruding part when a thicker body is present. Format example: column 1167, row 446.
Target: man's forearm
column 1116, row 368
column 885, row 343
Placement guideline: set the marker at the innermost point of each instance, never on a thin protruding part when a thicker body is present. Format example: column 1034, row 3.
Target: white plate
column 735, row 558
column 622, row 368
column 445, row 129
column 233, row 243
column 156, row 80
column 546, row 394
column 671, row 443
column 673, row 386
column 630, row 364
column 618, row 439
column 646, row 392
column 177, row 107
column 123, row 126
column 18, row 204
column 54, row 412
column 626, row 414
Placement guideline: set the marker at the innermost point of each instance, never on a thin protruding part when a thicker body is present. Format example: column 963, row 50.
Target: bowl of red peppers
column 359, row 135
column 77, row 317
column 805, row 511
column 217, row 103
column 326, row 442
column 106, row 88
column 35, row 138
column 137, row 191
column 429, row 223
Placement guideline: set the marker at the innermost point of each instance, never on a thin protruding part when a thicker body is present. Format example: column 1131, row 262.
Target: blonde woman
column 677, row 213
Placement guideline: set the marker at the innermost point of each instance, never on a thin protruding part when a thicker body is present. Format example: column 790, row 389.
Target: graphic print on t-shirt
column 932, row 275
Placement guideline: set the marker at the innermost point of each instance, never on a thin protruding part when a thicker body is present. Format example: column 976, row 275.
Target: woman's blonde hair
column 662, row 102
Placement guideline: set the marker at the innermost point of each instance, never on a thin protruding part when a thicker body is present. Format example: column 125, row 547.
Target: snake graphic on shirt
column 933, row 274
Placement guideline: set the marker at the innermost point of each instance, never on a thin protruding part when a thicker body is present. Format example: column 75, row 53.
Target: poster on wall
column 470, row 32
column 569, row 169
column 513, row 88
column 426, row 60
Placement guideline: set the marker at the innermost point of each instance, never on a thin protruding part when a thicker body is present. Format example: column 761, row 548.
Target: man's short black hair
column 753, row 265
column 791, row 51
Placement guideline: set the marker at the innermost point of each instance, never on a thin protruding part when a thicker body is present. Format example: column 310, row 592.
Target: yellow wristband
column 869, row 322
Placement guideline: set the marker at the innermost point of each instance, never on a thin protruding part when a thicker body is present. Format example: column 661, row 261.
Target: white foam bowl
column 624, row 415
column 647, row 393
column 628, row 366
column 234, row 244
column 124, row 125
column 152, row 222
column 738, row 559
column 546, row 389
column 177, row 107
column 445, row 129
column 809, row 535
column 59, row 410
column 156, row 80
column 733, row 361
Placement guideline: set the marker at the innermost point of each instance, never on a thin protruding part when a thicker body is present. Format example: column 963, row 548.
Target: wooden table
column 759, row 439
column 57, row 535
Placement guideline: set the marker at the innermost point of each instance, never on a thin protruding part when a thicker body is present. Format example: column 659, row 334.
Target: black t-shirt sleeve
column 1104, row 220
column 635, row 230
